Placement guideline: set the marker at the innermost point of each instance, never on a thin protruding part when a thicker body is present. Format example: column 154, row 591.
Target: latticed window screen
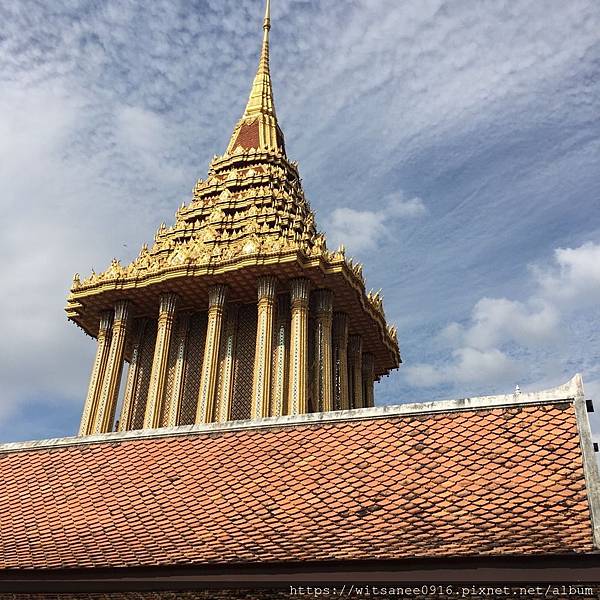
column 142, row 384
column 195, row 354
column 244, row 363
column 226, row 360
column 312, row 367
column 178, row 328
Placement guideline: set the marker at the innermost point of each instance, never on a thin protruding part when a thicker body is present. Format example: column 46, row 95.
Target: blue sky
column 454, row 147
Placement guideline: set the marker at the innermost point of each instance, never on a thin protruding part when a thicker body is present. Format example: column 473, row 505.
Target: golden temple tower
column 238, row 310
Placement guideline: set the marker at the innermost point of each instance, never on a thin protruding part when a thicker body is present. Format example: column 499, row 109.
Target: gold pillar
column 126, row 418
column 91, row 401
column 341, row 399
column 298, row 396
column 368, row 379
column 261, row 382
column 107, row 403
column 217, row 295
column 171, row 418
column 280, row 357
column 227, row 367
column 158, row 375
column 355, row 371
column 323, row 304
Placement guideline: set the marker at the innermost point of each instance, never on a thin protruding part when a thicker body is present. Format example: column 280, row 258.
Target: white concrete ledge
column 567, row 392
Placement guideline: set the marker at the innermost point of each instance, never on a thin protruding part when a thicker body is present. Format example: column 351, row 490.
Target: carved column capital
column 323, row 303
column 167, row 305
column 121, row 312
column 299, row 292
column 267, row 288
column 106, row 321
column 340, row 326
column 355, row 346
column 368, row 363
column 217, row 296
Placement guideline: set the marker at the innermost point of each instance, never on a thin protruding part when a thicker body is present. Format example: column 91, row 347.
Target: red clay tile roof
column 487, row 482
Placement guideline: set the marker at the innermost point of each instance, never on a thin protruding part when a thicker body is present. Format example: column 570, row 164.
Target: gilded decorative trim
column 97, row 376
column 217, row 295
column 261, row 386
column 107, row 402
column 298, row 396
column 158, row 376
column 154, row 270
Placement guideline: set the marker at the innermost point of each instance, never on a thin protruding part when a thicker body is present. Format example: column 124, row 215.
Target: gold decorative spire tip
column 267, row 23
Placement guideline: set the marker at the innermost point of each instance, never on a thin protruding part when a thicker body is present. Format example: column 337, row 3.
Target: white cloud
column 499, row 325
column 468, row 366
column 574, row 281
column 495, row 321
column 364, row 230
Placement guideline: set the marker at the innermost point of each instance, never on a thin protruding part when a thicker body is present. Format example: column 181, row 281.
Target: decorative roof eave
column 239, row 155
column 293, row 262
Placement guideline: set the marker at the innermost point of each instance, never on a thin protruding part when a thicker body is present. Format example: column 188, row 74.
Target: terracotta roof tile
column 491, row 482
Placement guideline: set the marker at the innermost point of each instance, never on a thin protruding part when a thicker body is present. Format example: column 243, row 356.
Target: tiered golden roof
column 247, row 220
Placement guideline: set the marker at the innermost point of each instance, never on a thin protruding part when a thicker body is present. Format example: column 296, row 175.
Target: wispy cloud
column 110, row 111
column 490, row 347
column 364, row 230
column 468, row 365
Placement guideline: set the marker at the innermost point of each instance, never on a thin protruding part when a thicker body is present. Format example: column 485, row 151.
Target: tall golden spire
column 258, row 126
column 261, row 95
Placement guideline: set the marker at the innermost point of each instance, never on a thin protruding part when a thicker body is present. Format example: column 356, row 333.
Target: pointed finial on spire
column 258, row 126
column 261, row 96
column 267, row 23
